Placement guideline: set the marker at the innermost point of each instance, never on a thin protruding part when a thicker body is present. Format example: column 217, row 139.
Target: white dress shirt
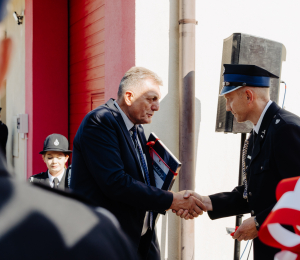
column 257, row 126
column 51, row 178
column 129, row 125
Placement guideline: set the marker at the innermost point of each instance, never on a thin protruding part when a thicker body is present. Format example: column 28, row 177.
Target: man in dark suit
column 270, row 154
column 3, row 135
column 55, row 155
column 112, row 165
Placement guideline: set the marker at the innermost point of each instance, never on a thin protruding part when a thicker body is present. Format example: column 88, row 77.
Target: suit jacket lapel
column 145, row 148
column 260, row 137
column 121, row 122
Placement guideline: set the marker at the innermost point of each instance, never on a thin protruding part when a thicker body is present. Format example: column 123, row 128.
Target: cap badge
column 56, row 143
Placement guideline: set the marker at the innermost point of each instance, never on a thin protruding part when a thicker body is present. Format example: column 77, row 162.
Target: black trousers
column 262, row 251
column 154, row 251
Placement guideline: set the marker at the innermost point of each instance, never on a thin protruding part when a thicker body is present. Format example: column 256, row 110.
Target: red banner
column 285, row 212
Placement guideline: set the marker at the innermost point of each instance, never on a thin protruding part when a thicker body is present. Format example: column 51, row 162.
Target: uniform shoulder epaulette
column 31, row 178
column 36, row 175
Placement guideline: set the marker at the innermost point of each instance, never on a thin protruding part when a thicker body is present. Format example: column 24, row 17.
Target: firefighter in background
column 55, row 155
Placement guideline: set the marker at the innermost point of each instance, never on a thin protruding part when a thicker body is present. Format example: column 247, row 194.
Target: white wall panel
column 15, row 88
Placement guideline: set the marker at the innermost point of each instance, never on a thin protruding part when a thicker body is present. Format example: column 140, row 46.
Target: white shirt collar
column 257, row 126
column 127, row 121
column 59, row 177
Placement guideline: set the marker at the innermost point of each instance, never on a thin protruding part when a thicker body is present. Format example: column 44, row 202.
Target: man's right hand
column 205, row 200
column 192, row 205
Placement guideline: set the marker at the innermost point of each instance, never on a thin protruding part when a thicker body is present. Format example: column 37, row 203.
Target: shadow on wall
column 165, row 125
column 197, row 127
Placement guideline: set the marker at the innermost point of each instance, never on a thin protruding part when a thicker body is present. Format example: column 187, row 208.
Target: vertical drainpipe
column 187, row 24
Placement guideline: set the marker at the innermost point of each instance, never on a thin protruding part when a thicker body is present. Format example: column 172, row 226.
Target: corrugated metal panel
column 86, row 60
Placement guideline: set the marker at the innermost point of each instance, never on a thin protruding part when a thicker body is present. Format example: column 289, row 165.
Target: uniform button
column 247, row 167
column 261, row 167
column 250, row 193
column 252, row 212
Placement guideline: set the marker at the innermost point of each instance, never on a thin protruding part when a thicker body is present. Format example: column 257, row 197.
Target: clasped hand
column 187, row 205
column 202, row 203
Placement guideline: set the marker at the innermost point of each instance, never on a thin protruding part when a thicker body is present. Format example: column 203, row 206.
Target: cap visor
column 228, row 89
column 55, row 150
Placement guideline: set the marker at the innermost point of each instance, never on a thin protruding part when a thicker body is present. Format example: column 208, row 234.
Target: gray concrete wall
column 15, row 89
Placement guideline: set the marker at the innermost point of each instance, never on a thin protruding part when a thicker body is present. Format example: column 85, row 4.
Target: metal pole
column 238, row 219
column 187, row 24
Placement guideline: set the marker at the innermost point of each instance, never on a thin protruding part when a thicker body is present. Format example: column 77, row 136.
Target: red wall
column 86, row 60
column 46, row 56
column 101, row 50
column 119, row 43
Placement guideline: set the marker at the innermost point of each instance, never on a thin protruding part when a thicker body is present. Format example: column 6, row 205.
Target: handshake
column 188, row 204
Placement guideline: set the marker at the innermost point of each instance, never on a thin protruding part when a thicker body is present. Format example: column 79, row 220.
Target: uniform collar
column 59, row 177
column 257, row 126
column 127, row 121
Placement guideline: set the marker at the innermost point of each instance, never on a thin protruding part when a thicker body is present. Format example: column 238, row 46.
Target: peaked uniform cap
column 240, row 75
column 56, row 143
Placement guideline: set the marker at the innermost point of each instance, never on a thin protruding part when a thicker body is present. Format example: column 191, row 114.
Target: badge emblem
column 277, row 121
column 56, row 143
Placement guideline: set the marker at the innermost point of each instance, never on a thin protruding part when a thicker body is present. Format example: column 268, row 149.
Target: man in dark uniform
column 3, row 135
column 271, row 153
column 55, row 154
column 37, row 223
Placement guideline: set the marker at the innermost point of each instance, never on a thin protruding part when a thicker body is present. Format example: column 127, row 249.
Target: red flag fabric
column 285, row 212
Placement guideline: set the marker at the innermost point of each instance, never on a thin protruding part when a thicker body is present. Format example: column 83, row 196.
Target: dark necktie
column 143, row 162
column 55, row 183
column 244, row 154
